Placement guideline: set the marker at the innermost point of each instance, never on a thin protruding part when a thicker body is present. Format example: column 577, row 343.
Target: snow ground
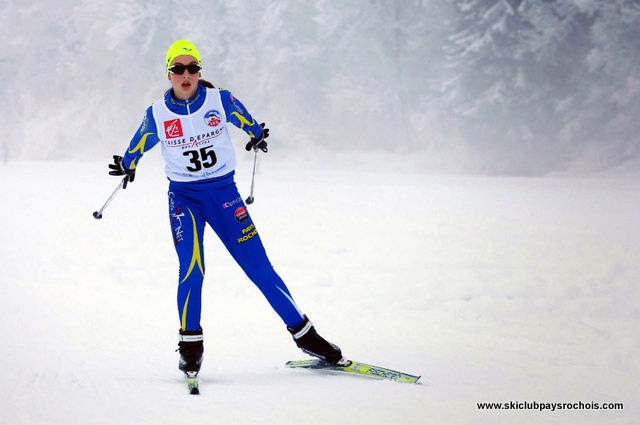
column 493, row 289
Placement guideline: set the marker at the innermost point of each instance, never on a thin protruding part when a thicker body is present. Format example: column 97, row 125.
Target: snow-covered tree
column 531, row 76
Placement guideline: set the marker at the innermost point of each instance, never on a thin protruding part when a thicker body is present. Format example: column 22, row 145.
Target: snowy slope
column 493, row 289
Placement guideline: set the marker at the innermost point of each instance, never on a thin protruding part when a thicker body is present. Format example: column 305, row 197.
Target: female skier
column 189, row 123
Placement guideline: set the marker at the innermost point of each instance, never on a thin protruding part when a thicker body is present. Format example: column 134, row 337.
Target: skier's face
column 184, row 85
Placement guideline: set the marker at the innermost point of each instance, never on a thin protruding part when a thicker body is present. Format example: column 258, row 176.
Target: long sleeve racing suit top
column 151, row 132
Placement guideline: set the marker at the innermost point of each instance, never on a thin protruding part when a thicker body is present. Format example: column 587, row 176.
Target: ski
column 356, row 368
column 192, row 383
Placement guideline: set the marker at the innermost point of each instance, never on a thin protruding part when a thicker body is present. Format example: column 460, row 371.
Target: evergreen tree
column 515, row 63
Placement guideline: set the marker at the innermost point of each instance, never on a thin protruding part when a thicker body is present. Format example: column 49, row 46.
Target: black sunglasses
column 180, row 68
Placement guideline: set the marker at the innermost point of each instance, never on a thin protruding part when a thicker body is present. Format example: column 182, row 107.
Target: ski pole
column 249, row 200
column 98, row 214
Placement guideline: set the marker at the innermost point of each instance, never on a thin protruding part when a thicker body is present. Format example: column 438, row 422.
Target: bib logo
column 212, row 118
column 173, row 128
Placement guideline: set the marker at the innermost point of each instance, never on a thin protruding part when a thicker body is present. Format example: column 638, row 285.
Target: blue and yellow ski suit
column 200, row 163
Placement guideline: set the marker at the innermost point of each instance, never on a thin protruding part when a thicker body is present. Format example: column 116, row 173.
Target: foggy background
column 509, row 87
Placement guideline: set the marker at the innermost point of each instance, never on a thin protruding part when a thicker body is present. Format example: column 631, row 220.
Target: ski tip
column 192, row 382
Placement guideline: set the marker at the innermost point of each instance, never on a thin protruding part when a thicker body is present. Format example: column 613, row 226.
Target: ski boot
column 308, row 340
column 191, row 348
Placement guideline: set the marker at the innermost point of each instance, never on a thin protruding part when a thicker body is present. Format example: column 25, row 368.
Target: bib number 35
column 201, row 158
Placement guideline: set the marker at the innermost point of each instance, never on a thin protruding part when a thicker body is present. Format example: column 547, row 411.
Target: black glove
column 259, row 142
column 118, row 169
